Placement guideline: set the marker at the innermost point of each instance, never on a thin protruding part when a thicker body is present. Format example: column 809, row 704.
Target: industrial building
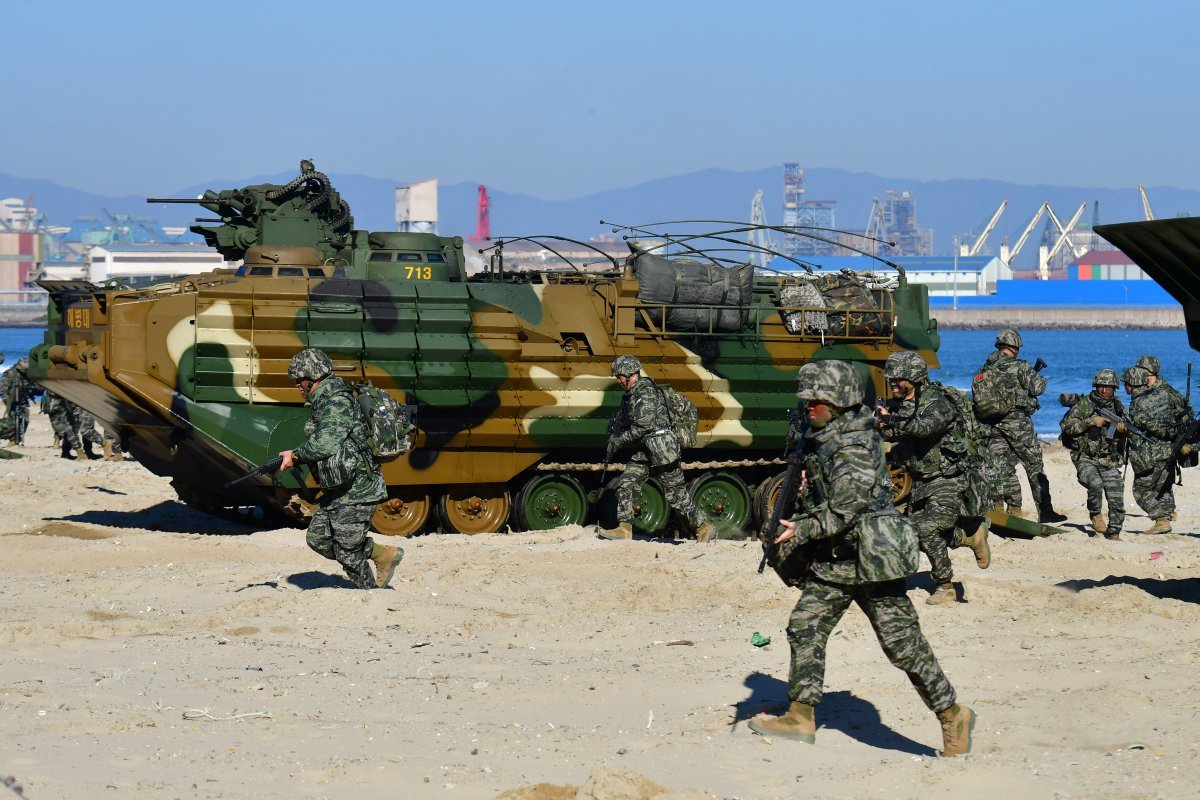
column 140, row 262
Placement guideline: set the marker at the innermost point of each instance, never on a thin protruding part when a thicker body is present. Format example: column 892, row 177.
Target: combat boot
column 89, row 452
column 66, row 451
column 1112, row 536
column 705, row 532
column 1161, row 525
column 957, row 723
column 797, row 723
column 386, row 558
column 945, row 594
column 106, row 448
column 1048, row 514
column 1015, row 511
column 1100, row 524
column 978, row 542
column 624, row 530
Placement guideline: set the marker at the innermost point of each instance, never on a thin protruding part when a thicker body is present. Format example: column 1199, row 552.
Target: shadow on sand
column 168, row 517
column 1185, row 589
column 320, row 580
column 839, row 711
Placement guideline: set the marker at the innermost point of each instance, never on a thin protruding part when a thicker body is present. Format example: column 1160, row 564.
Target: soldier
column 1011, row 436
column 1180, row 404
column 85, row 424
column 351, row 482
column 1097, row 446
column 1151, row 456
column 17, row 390
column 931, row 446
column 850, row 469
column 643, row 423
column 62, row 421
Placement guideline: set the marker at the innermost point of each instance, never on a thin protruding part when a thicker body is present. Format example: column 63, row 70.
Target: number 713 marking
column 423, row 273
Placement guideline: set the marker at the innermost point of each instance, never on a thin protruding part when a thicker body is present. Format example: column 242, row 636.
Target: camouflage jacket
column 1020, row 378
column 855, row 482
column 928, row 435
column 16, row 388
column 336, row 444
column 1087, row 442
column 1150, row 409
column 642, row 422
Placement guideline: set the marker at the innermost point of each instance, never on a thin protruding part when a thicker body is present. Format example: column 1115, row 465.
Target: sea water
column 1072, row 356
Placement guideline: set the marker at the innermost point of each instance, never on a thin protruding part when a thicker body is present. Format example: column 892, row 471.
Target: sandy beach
column 151, row 651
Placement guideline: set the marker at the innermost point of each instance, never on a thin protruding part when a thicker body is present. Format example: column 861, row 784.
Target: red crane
column 483, row 225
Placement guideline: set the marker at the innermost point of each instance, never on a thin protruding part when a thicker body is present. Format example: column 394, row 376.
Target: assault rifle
column 1039, row 365
column 1116, row 419
column 271, row 466
column 789, row 488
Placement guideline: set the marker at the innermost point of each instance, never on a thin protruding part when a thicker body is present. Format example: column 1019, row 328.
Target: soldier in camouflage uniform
column 1180, row 404
column 851, row 471
column 62, row 421
column 1011, row 437
column 351, row 482
column 643, row 424
column 1151, row 457
column 930, row 445
column 85, row 425
column 17, row 390
column 1098, row 457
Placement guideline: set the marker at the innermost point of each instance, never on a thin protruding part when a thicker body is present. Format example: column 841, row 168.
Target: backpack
column 990, row 397
column 985, row 473
column 390, row 424
column 684, row 416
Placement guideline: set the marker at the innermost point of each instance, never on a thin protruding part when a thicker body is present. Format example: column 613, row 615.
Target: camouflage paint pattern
column 508, row 371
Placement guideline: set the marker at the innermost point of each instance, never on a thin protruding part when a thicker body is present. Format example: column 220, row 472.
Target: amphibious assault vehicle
column 507, row 370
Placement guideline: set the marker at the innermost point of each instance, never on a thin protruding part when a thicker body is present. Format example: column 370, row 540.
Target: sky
column 559, row 100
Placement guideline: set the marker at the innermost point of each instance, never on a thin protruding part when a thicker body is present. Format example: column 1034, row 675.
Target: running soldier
column 820, row 547
column 1097, row 444
column 1151, row 456
column 351, row 482
column 1179, row 404
column 932, row 449
column 1011, row 436
column 85, row 425
column 643, row 424
column 62, row 421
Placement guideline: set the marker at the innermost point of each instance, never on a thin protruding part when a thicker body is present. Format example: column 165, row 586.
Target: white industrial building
column 137, row 262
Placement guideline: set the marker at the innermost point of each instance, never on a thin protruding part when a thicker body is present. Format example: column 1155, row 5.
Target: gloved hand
column 1121, row 428
column 1186, row 449
column 1099, row 421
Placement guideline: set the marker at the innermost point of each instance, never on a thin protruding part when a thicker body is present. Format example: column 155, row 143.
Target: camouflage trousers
column 1101, row 482
column 630, row 482
column 933, row 511
column 85, row 423
column 895, row 623
column 1014, row 442
column 1154, row 493
column 60, row 423
column 339, row 532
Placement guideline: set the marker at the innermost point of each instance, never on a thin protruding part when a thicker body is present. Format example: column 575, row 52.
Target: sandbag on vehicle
column 681, row 281
column 853, row 310
column 803, row 295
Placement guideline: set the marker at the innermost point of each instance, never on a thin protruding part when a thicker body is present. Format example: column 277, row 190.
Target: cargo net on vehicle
column 844, row 303
column 681, row 294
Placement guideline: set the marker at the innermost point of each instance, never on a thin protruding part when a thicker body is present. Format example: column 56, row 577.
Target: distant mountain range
column 951, row 208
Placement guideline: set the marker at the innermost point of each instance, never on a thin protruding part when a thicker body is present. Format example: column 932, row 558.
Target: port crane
column 1008, row 255
column 1147, row 211
column 1064, row 237
column 974, row 249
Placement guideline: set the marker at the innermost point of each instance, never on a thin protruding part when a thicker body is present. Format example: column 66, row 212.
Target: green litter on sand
column 758, row 640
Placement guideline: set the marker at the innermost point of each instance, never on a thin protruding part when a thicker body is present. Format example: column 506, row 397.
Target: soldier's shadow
column 839, row 711
column 319, row 580
column 1185, row 589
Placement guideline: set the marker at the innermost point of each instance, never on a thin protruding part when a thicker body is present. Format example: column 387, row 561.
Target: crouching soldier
column 351, row 482
column 853, row 547
column 643, row 424
column 1097, row 443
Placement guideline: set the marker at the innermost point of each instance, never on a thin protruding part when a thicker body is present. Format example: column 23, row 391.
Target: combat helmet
column 309, row 363
column 1135, row 377
column 907, row 366
column 833, row 382
column 1106, row 377
column 1149, row 363
column 625, row 365
column 1008, row 338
